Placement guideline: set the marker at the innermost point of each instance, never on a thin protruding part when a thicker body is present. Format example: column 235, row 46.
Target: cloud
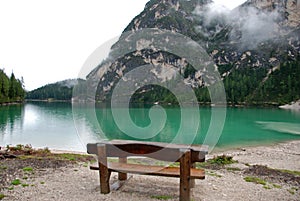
column 211, row 18
column 251, row 26
column 254, row 26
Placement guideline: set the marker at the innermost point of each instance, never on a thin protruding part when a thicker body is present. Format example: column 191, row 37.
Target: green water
column 57, row 126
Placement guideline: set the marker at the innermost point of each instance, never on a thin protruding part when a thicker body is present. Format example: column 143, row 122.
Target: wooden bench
column 186, row 155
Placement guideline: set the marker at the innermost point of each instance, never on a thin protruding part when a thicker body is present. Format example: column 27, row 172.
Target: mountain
column 57, row 91
column 256, row 48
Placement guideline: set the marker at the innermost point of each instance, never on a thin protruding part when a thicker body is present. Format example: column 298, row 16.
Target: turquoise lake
column 61, row 126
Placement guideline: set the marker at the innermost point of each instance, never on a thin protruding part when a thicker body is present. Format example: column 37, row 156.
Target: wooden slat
column 151, row 170
column 156, row 150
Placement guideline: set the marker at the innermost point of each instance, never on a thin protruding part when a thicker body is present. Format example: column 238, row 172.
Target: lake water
column 58, row 126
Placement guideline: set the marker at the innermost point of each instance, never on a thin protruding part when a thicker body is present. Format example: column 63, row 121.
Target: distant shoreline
column 48, row 101
column 12, row 103
column 201, row 104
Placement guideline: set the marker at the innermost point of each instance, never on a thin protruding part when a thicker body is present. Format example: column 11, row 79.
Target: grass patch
column 16, row 182
column 27, row 152
column 42, row 182
column 276, row 186
column 222, row 160
column 10, row 188
column 267, row 187
column 265, row 184
column 161, row 197
column 25, row 185
column 74, row 157
column 217, row 162
column 291, row 191
column 214, row 174
column 2, row 196
column 255, row 180
column 27, row 169
column 3, row 168
column 295, row 173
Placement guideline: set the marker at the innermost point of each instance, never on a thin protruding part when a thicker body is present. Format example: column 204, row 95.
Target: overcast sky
column 49, row 40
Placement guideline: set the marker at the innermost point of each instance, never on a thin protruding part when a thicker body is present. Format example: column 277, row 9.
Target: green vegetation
column 24, row 185
column 161, row 197
column 283, row 85
column 266, row 185
column 293, row 190
column 25, row 152
column 222, row 160
column 16, row 182
column 2, row 196
column 296, row 173
column 214, row 174
column 3, row 168
column 276, row 186
column 255, row 180
column 242, row 86
column 57, row 91
column 27, row 169
column 11, row 89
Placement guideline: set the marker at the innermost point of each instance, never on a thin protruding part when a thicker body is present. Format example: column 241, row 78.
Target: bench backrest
column 155, row 150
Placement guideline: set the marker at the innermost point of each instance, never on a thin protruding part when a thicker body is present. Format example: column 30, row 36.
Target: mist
column 250, row 26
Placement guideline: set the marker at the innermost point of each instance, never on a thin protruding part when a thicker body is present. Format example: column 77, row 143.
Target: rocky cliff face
column 249, row 44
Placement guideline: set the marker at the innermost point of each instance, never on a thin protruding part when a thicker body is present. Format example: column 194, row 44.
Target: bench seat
column 151, row 170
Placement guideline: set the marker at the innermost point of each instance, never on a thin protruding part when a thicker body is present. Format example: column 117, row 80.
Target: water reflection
column 41, row 125
column 10, row 118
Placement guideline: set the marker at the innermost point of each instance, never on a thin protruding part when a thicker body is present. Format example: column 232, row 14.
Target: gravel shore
column 76, row 182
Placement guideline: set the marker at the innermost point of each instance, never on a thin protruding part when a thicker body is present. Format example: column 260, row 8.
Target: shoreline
column 223, row 183
column 215, row 151
column 253, row 146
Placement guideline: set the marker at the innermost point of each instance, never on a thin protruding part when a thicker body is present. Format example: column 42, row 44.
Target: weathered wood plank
column 151, row 170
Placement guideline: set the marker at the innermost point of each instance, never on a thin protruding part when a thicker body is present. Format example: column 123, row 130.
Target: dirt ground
column 260, row 173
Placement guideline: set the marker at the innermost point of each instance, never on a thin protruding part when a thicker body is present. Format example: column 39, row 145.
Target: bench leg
column 185, row 174
column 122, row 176
column 192, row 181
column 103, row 170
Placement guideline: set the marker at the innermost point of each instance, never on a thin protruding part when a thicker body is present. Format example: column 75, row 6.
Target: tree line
column 51, row 91
column 247, row 86
column 11, row 88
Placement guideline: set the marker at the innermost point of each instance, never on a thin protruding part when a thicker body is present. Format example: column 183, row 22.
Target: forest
column 245, row 86
column 11, row 88
column 55, row 91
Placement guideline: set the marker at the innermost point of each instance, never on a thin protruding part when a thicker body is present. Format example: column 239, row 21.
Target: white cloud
column 230, row 4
